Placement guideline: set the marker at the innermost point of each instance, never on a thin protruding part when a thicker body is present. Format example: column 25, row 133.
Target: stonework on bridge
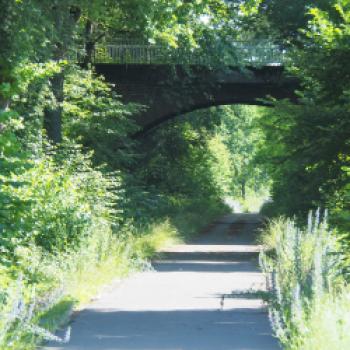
column 172, row 83
column 169, row 91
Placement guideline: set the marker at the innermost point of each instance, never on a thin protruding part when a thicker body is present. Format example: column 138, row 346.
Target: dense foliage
column 80, row 197
column 306, row 145
column 80, row 194
column 306, row 153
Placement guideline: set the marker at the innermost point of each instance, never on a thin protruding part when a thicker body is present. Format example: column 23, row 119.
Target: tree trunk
column 243, row 183
column 255, row 186
column 53, row 115
column 89, row 43
column 4, row 104
column 65, row 19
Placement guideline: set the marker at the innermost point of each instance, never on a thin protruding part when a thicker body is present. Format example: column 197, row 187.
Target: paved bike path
column 186, row 302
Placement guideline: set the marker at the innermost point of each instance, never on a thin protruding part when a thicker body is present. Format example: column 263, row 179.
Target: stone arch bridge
column 170, row 86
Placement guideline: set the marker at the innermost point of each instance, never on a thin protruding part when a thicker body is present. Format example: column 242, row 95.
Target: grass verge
column 309, row 302
column 54, row 286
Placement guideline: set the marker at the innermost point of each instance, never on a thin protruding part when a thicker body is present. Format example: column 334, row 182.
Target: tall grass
column 254, row 200
column 30, row 310
column 67, row 228
column 304, row 269
column 66, row 235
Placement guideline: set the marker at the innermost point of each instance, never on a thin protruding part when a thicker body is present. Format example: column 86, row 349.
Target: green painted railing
column 247, row 53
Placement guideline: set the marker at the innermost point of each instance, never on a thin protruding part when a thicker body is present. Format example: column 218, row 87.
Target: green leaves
column 307, row 145
column 56, row 205
column 94, row 115
column 250, row 7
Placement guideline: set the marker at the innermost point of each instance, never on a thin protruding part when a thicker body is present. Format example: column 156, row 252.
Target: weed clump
column 304, row 269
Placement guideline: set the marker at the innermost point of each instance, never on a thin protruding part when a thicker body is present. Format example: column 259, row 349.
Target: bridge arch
column 175, row 83
column 169, row 91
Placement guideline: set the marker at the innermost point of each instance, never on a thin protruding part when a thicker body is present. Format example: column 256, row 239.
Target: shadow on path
column 185, row 302
column 204, row 266
column 169, row 330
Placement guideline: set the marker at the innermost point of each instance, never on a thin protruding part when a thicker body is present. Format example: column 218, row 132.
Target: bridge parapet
column 255, row 54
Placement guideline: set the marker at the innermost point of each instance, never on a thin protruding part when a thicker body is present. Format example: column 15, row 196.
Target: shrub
column 304, row 268
column 58, row 202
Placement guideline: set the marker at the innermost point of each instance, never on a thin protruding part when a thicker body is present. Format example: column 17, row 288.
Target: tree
column 308, row 145
column 243, row 140
column 280, row 20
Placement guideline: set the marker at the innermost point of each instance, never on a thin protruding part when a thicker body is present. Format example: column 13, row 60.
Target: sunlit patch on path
column 195, row 298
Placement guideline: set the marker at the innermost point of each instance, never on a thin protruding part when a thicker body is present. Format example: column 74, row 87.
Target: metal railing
column 247, row 53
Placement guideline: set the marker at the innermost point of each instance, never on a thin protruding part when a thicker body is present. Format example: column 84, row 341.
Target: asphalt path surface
column 194, row 298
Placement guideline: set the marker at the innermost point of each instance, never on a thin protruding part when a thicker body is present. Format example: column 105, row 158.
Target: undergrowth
column 69, row 241
column 310, row 302
column 254, row 201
